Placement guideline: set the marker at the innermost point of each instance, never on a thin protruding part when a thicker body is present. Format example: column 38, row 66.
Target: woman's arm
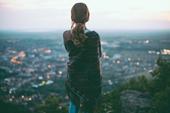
column 66, row 37
column 98, row 43
column 100, row 51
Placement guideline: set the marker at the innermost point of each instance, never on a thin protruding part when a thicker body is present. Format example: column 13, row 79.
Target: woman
column 83, row 82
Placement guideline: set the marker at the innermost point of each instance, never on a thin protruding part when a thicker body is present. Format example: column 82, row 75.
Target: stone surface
column 135, row 101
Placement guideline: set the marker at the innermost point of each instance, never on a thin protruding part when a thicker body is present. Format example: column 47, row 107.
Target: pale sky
column 46, row 15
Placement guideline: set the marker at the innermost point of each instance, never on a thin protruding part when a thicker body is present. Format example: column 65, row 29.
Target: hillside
column 139, row 95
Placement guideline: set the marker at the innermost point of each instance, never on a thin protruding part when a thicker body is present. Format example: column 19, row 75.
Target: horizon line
column 101, row 30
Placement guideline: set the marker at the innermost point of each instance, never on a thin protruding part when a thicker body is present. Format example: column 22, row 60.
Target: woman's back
column 83, row 66
column 89, row 52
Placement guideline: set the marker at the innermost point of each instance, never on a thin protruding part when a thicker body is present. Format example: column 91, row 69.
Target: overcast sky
column 46, row 15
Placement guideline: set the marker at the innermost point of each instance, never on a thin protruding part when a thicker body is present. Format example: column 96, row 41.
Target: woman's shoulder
column 67, row 35
column 92, row 33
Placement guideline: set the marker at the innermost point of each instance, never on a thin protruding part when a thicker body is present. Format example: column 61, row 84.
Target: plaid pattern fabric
column 83, row 69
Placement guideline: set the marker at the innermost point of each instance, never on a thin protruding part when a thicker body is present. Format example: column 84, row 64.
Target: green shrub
column 50, row 105
column 140, row 84
column 160, row 88
column 110, row 102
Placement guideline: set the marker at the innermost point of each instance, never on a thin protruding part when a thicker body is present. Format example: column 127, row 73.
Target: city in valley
column 35, row 63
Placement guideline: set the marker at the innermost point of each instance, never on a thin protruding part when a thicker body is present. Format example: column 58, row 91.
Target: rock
column 135, row 101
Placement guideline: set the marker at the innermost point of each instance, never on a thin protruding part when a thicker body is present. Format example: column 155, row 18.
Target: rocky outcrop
column 135, row 101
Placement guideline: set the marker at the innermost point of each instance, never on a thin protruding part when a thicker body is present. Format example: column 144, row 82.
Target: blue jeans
column 73, row 108
column 88, row 107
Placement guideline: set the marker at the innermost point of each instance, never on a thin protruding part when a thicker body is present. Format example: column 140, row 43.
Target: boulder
column 133, row 101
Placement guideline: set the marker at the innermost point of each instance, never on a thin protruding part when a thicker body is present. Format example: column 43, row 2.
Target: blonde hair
column 79, row 16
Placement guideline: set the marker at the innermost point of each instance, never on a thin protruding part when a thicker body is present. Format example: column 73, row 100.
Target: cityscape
column 36, row 62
